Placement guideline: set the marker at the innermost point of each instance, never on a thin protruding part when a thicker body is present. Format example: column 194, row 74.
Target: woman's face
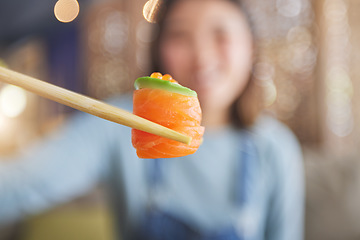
column 207, row 46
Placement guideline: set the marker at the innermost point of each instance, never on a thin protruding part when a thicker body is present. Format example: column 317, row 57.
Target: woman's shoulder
column 273, row 130
column 275, row 138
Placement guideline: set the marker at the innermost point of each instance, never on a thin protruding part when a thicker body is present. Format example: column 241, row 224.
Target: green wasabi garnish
column 155, row 83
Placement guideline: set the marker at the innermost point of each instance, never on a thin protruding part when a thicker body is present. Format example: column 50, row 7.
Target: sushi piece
column 162, row 100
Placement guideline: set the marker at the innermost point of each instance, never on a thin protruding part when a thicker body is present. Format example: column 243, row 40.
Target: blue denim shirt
column 199, row 188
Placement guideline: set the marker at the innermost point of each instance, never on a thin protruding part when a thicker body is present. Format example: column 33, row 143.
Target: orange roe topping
column 156, row 75
column 169, row 78
column 166, row 77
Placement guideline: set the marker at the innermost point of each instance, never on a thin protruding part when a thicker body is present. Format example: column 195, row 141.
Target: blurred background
column 306, row 63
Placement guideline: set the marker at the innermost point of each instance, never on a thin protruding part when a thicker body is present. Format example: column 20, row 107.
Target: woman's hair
column 248, row 105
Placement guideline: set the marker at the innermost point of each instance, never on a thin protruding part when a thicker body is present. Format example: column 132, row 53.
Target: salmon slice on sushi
column 162, row 100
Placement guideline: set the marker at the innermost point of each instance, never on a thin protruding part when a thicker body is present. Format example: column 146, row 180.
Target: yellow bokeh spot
column 13, row 101
column 270, row 94
column 2, row 63
column 150, row 10
column 66, row 10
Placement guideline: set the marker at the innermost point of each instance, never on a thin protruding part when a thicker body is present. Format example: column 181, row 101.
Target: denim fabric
column 162, row 226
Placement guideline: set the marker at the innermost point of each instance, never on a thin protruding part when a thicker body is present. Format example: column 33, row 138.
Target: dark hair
column 248, row 105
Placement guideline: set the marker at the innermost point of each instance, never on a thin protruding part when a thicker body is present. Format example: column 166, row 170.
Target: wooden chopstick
column 88, row 105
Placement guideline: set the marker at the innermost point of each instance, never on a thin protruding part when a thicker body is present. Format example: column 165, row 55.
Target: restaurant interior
column 306, row 65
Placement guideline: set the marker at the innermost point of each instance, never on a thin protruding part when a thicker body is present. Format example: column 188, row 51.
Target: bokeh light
column 150, row 10
column 66, row 10
column 12, row 101
column 270, row 93
column 2, row 63
column 339, row 86
column 116, row 31
column 108, row 40
column 264, row 74
column 289, row 8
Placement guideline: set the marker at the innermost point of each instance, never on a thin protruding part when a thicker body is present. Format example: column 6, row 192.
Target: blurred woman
column 244, row 182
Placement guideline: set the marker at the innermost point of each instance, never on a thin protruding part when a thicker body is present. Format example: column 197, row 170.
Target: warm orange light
column 13, row 101
column 150, row 10
column 66, row 10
